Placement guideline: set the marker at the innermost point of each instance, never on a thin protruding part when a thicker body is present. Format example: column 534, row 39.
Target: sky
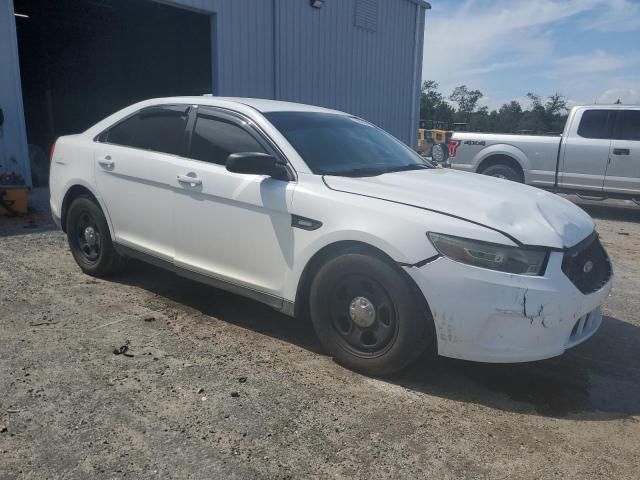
column 587, row 50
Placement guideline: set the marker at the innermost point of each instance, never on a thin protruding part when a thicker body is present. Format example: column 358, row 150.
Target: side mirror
column 255, row 163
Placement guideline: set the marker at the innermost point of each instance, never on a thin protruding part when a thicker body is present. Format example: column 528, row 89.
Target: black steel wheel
column 363, row 315
column 368, row 315
column 89, row 238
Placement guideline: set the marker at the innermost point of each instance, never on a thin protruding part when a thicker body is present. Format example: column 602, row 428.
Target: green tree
column 433, row 106
column 508, row 117
column 466, row 100
column 556, row 111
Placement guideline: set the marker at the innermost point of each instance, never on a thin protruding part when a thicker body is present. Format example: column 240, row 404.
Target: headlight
column 490, row 255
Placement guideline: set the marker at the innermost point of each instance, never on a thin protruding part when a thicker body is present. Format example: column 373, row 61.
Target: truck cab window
column 594, row 124
column 627, row 125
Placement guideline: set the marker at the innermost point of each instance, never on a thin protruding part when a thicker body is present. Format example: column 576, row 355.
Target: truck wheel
column 504, row 171
column 439, row 152
column 89, row 239
column 367, row 316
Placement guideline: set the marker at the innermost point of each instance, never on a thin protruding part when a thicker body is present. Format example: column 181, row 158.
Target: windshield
column 334, row 144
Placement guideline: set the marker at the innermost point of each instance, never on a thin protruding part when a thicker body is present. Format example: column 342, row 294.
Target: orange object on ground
column 16, row 197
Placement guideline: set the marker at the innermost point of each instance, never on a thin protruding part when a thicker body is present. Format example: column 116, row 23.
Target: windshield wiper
column 375, row 171
column 405, row 168
column 358, row 172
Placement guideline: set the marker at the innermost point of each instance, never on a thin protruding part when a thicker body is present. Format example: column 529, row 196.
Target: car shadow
column 598, row 380
column 608, row 211
column 600, row 376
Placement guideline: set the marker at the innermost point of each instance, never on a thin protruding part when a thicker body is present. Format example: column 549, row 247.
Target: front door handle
column 191, row 180
column 621, row 151
column 106, row 162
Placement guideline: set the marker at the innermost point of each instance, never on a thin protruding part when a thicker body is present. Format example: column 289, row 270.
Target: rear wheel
column 89, row 239
column 504, row 171
column 367, row 316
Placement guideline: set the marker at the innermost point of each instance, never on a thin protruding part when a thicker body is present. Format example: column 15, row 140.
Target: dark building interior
column 81, row 60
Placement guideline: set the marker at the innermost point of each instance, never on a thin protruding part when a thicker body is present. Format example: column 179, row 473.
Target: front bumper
column 489, row 316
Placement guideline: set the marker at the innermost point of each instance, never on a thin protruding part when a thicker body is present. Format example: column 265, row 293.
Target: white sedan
column 319, row 213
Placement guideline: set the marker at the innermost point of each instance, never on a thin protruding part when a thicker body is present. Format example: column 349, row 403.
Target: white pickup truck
column 597, row 155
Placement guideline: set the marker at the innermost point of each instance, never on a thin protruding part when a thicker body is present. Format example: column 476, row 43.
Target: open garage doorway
column 81, row 60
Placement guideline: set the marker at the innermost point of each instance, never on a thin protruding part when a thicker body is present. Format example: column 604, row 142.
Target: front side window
column 627, row 125
column 334, row 144
column 214, row 139
column 161, row 129
column 594, row 124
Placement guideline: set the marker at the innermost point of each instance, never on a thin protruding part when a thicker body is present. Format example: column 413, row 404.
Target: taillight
column 453, row 147
column 52, row 151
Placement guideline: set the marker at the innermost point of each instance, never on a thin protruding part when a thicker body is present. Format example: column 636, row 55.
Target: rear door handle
column 106, row 162
column 189, row 179
column 621, row 151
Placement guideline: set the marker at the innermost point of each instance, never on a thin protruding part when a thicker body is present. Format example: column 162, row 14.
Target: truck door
column 586, row 150
column 623, row 171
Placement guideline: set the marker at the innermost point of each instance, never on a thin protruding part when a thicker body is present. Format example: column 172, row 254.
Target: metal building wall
column 14, row 155
column 282, row 49
column 287, row 50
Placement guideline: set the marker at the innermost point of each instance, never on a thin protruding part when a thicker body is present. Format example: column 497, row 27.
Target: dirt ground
column 221, row 387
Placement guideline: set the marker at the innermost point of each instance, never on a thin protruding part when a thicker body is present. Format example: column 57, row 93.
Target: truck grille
column 587, row 265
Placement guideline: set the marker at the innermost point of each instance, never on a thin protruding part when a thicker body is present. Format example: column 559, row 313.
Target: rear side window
column 627, row 125
column 161, row 129
column 213, row 140
column 594, row 124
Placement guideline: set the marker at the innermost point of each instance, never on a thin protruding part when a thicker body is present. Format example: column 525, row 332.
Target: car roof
column 263, row 105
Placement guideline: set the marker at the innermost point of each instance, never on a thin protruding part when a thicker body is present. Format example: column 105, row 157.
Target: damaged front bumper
column 490, row 316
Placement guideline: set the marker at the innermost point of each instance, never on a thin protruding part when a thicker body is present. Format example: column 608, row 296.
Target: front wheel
column 367, row 316
column 89, row 239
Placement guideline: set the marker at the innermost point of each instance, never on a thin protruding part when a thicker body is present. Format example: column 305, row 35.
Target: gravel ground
column 222, row 387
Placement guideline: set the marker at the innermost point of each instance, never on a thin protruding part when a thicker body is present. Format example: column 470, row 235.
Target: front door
column 586, row 151
column 623, row 172
column 135, row 173
column 228, row 226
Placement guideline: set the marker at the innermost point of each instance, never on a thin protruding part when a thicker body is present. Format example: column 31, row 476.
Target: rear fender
column 503, row 149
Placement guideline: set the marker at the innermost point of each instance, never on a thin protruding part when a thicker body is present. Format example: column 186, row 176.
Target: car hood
column 530, row 215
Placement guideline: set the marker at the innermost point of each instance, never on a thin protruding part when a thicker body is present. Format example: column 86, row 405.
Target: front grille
column 587, row 265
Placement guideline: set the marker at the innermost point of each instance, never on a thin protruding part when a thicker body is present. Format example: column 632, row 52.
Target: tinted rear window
column 627, row 125
column 594, row 124
column 161, row 129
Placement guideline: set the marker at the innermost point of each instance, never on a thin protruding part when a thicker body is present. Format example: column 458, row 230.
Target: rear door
column 135, row 174
column 586, row 150
column 228, row 226
column 623, row 171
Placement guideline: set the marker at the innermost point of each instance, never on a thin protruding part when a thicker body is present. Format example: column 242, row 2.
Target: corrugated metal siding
column 325, row 60
column 322, row 58
column 14, row 155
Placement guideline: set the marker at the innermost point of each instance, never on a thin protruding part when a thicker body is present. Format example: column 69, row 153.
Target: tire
column 439, row 152
column 92, row 249
column 504, row 171
column 400, row 330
